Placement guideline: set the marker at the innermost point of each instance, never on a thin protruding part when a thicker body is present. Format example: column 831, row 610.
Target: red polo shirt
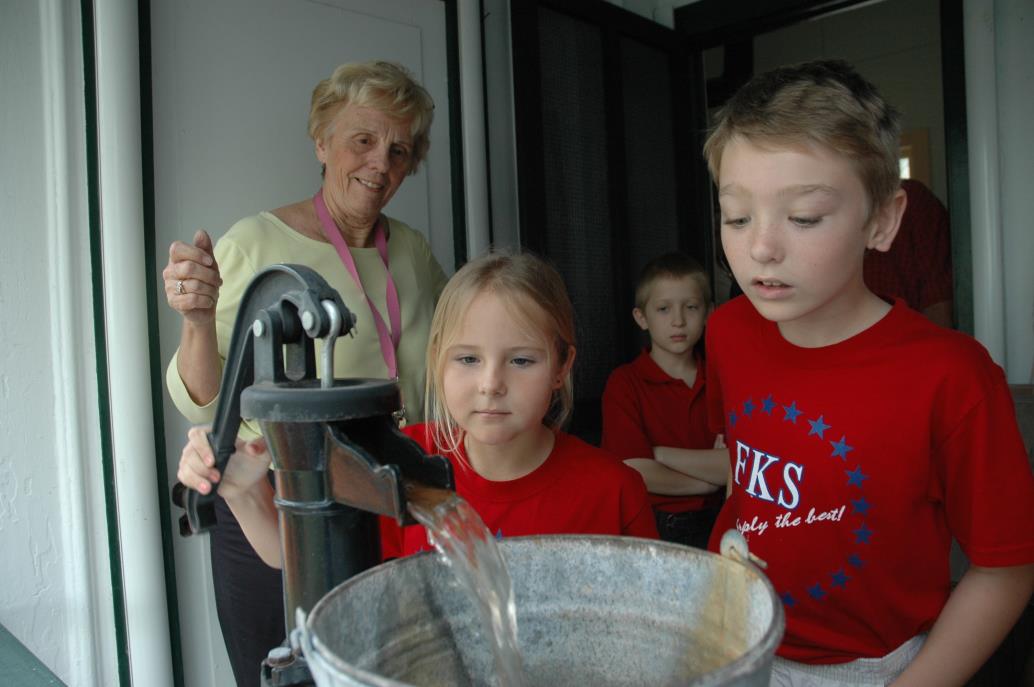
column 643, row 407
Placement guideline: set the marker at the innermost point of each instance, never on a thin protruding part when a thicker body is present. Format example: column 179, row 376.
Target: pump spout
column 358, row 480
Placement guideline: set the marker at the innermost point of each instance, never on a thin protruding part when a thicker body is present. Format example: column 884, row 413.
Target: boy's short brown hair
column 825, row 102
column 672, row 265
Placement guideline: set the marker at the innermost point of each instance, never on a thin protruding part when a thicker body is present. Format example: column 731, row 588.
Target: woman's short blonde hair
column 384, row 86
column 825, row 102
column 534, row 295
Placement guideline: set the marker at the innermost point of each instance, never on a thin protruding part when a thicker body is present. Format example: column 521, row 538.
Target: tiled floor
column 18, row 666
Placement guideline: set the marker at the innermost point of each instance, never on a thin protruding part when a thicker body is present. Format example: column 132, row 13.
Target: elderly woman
column 369, row 122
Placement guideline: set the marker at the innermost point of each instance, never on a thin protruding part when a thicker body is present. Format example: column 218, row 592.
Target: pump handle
column 283, row 308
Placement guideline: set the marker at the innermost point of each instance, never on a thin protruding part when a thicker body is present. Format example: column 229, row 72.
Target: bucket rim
column 741, row 665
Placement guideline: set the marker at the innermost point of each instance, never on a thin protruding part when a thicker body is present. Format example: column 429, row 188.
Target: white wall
column 55, row 597
column 1014, row 58
column 502, row 142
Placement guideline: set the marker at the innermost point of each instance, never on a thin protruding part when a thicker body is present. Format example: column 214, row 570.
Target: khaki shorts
column 862, row 672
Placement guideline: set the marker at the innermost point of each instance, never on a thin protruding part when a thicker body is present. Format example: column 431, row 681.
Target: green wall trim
column 100, row 343
column 154, row 341
column 21, row 667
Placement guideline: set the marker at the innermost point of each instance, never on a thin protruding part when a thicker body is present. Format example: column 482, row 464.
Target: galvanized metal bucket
column 591, row 610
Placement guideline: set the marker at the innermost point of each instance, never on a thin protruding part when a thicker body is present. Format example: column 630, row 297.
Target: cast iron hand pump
column 339, row 459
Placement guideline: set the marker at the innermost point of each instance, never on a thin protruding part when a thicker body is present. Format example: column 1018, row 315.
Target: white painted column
column 501, row 135
column 985, row 203
column 124, row 271
column 90, row 646
column 475, row 144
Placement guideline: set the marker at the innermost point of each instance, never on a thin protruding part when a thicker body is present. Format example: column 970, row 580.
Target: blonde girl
column 499, row 390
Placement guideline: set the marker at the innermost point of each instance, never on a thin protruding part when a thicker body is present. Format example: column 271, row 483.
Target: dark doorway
column 608, row 174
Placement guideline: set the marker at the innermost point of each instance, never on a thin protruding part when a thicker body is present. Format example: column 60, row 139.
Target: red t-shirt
column 853, row 465
column 917, row 268
column 579, row 489
column 643, row 407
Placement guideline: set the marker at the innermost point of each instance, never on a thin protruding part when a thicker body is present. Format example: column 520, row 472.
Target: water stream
column 470, row 550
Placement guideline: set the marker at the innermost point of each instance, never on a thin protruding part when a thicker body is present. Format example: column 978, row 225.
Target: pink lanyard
column 389, row 339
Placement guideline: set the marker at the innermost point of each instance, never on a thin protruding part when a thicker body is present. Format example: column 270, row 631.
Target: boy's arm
column 256, row 514
column 623, row 433
column 665, row 481
column 244, row 485
column 709, row 465
column 978, row 615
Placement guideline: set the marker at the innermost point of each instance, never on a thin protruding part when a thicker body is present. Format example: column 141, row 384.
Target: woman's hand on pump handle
column 192, row 279
column 247, row 467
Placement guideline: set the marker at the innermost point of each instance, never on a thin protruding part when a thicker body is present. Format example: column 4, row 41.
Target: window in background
column 915, row 155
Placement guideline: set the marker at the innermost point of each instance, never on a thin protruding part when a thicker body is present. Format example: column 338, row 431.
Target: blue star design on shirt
column 840, row 448
column 856, row 477
column 499, row 534
column 818, row 427
column 862, row 534
column 791, row 412
column 838, row 578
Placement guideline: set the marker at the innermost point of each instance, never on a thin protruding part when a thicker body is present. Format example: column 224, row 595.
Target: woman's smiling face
column 367, row 154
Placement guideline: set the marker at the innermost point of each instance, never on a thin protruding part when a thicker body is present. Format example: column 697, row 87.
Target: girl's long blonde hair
column 534, row 294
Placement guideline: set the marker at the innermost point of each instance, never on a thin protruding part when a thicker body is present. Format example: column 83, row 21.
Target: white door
column 231, row 82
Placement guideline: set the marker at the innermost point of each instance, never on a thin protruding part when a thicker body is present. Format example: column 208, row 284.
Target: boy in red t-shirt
column 654, row 410
column 862, row 437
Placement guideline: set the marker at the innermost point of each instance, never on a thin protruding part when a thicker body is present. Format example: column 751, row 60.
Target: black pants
column 692, row 528
column 249, row 598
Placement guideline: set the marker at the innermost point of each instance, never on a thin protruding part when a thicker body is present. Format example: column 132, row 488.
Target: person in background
column 654, row 409
column 862, row 437
column 917, row 268
column 499, row 390
column 369, row 122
